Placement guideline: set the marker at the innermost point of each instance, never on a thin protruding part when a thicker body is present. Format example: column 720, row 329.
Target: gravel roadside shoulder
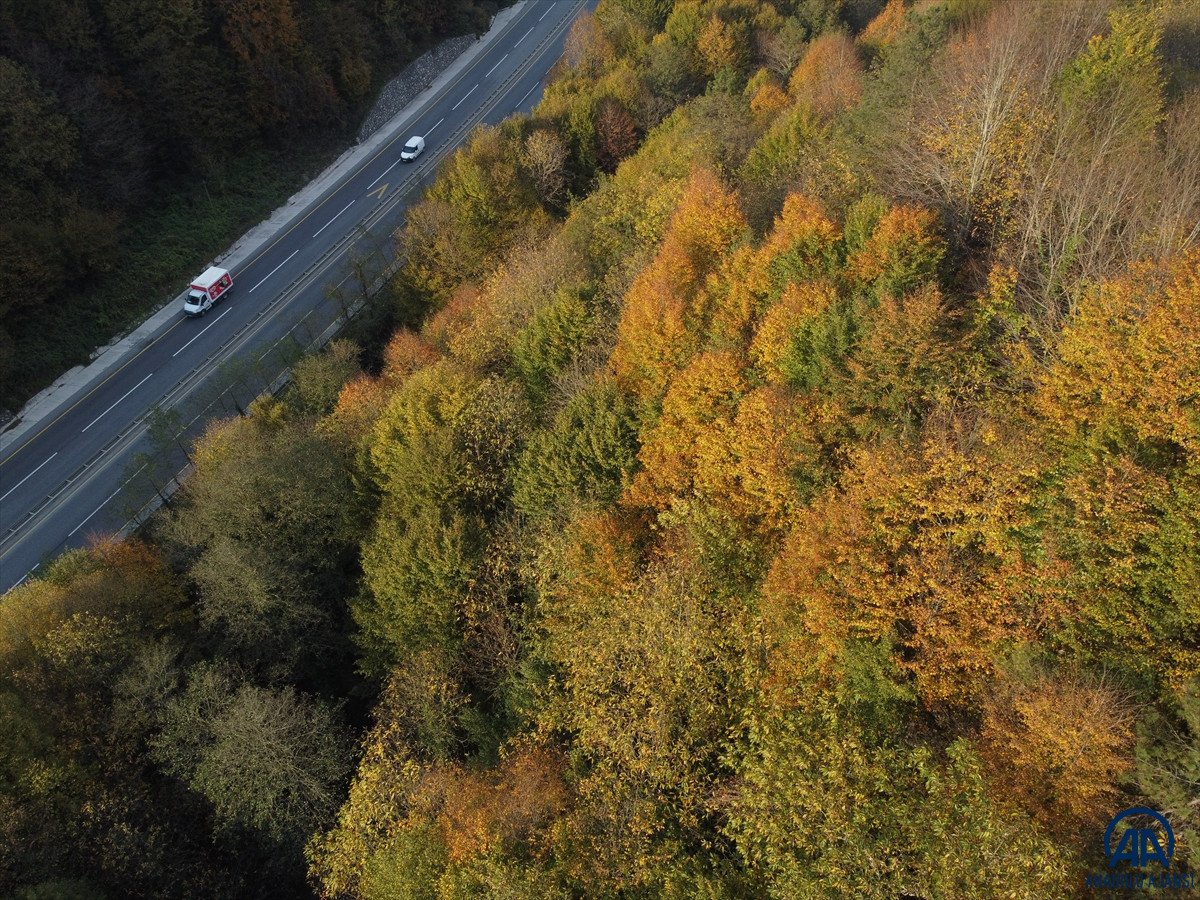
column 411, row 81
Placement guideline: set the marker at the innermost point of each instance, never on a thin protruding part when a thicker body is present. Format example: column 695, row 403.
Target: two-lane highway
column 61, row 483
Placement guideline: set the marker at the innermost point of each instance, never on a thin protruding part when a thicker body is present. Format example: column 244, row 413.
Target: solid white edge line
column 198, row 333
column 493, row 68
column 331, row 221
column 94, row 511
column 273, row 271
column 464, row 97
column 27, row 477
column 123, row 396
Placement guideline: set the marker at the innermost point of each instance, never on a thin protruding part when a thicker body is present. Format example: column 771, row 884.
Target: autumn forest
column 777, row 475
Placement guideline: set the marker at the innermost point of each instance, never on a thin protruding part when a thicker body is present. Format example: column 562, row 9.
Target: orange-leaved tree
column 697, row 417
column 903, row 252
column 803, row 244
column 882, row 31
column 921, row 550
column 799, row 305
column 663, row 313
column 767, row 100
column 829, row 78
column 1058, row 745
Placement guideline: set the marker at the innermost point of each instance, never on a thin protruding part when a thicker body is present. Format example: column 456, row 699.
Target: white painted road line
column 464, row 97
column 331, row 221
column 89, row 477
column 202, row 330
column 272, row 272
column 26, row 575
column 435, row 125
column 27, row 477
column 94, row 511
column 527, row 93
column 493, row 68
column 381, row 174
column 111, row 408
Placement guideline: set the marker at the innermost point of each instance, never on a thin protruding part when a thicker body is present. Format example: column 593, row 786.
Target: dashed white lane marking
column 331, row 221
column 30, row 475
column 201, row 331
column 549, row 9
column 94, row 511
column 26, row 575
column 493, row 68
column 464, row 97
column 272, row 272
column 384, row 172
column 435, row 125
column 123, row 396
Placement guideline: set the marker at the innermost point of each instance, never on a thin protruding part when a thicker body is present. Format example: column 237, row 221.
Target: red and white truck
column 206, row 289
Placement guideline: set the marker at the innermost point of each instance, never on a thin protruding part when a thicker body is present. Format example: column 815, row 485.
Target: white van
column 413, row 148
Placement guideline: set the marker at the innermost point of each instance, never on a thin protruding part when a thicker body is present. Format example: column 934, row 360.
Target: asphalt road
column 84, row 470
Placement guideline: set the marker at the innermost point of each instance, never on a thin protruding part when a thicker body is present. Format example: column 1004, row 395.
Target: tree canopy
column 789, row 488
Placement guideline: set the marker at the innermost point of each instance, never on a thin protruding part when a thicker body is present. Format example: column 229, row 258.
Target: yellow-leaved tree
column 1126, row 367
column 1118, row 401
column 721, row 444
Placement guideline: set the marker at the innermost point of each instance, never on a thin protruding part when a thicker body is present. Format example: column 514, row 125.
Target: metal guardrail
column 224, row 351
column 317, row 268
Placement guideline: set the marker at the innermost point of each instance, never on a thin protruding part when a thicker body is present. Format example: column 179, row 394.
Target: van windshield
column 411, row 147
